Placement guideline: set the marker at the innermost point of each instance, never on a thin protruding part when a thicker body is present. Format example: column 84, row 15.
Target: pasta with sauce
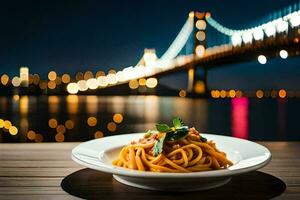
column 175, row 149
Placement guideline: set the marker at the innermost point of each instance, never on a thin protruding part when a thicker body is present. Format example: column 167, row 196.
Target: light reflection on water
column 80, row 118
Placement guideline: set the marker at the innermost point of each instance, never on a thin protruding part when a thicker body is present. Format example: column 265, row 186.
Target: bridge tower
column 197, row 76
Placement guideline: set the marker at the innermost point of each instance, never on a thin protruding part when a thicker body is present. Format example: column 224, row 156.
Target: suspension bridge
column 270, row 39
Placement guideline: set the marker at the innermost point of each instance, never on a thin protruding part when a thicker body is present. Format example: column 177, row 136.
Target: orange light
column 133, row 84
column 52, row 75
column 199, row 15
column 282, row 93
column 51, row 85
column 238, row 94
column 92, row 121
column 38, row 137
column 79, row 76
column 182, row 93
column 142, row 82
column 4, row 79
column 7, row 124
column 111, row 126
column 31, row 135
column 61, row 129
column 59, row 137
column 98, row 134
column 118, row 118
column 223, row 94
column 88, row 75
column 66, row 78
column 13, row 130
column 259, row 94
column 232, row 93
column 36, row 79
column 100, row 73
column 69, row 124
column 112, row 71
column 199, row 87
column 52, row 123
column 43, row 85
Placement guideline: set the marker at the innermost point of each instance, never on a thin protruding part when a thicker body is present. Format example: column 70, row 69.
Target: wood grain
column 36, row 171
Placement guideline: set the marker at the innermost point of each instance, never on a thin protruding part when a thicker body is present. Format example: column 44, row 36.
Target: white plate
column 98, row 154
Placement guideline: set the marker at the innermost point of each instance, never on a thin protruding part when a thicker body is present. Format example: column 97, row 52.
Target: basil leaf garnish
column 177, row 122
column 158, row 146
column 177, row 134
column 163, row 128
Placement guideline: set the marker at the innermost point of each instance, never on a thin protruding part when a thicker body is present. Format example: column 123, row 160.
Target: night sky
column 70, row 36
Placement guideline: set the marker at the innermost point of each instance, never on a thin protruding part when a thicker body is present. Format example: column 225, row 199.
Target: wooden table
column 46, row 171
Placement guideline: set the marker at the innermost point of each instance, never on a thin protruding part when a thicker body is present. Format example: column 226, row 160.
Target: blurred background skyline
column 68, row 36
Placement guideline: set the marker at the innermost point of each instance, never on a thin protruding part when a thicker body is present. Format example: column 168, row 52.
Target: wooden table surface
column 46, row 171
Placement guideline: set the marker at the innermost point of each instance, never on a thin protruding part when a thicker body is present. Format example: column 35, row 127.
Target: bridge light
column 133, row 84
column 191, row 14
column 102, row 81
column 283, row 54
column 236, row 40
column 16, row 81
column 92, row 83
column 151, row 82
column 258, row 34
column 295, row 20
column 247, row 37
column 270, row 29
column 82, row 86
column 262, row 59
column 200, row 35
column 111, row 79
column 200, row 50
column 282, row 26
column 201, row 24
column 72, row 88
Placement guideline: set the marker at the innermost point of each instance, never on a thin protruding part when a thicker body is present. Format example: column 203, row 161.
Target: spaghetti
column 158, row 152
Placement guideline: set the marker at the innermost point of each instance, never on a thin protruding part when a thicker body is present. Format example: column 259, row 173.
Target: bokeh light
column 69, row 124
column 182, row 93
column 282, row 93
column 52, row 123
column 92, row 121
column 4, row 79
column 59, row 137
column 151, row 82
column 13, row 130
column 52, row 75
column 98, row 134
column 72, row 88
column 111, row 126
column 66, row 78
column 118, row 118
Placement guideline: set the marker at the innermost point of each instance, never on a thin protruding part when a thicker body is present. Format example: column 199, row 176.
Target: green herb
column 177, row 122
column 158, row 146
column 148, row 134
column 163, row 128
column 203, row 139
column 177, row 134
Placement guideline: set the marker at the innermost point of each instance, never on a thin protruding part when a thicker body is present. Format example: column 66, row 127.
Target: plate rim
column 139, row 174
